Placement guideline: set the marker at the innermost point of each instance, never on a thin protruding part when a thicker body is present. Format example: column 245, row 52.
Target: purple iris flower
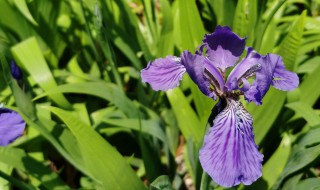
column 229, row 154
column 11, row 126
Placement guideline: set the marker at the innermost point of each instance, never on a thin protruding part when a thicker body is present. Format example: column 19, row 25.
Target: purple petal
column 214, row 75
column 224, row 47
column 229, row 154
column 11, row 126
column 163, row 73
column 272, row 72
column 195, row 66
column 246, row 68
column 282, row 78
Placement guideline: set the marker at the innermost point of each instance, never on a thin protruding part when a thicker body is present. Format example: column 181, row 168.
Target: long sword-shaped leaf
column 28, row 54
column 245, row 19
column 103, row 90
column 305, row 111
column 188, row 121
column 166, row 42
column 23, row 8
column 289, row 47
column 101, row 158
column 309, row 89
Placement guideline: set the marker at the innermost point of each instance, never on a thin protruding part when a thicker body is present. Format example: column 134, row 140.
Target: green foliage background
column 92, row 124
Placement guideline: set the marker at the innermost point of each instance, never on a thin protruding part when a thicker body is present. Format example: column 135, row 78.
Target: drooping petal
column 261, row 85
column 247, row 67
column 163, row 73
column 282, row 78
column 224, row 47
column 11, row 126
column 272, row 72
column 195, row 66
column 229, row 154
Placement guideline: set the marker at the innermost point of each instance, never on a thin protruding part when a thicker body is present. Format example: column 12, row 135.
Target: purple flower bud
column 15, row 71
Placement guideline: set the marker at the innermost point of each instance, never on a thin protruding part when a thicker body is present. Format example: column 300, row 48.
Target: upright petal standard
column 229, row 154
column 11, row 126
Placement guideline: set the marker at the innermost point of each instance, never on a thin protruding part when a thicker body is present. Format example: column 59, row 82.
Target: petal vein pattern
column 164, row 73
column 224, row 47
column 229, row 154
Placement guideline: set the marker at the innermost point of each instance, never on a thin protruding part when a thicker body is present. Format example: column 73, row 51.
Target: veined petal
column 11, row 126
column 224, row 47
column 282, row 78
column 229, row 154
column 163, row 73
column 195, row 66
column 261, row 85
column 247, row 67
column 214, row 75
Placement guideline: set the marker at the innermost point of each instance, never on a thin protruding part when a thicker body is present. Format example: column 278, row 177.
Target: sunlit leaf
column 100, row 158
column 28, row 54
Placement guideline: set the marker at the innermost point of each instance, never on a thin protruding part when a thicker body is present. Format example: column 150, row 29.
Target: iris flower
column 11, row 126
column 229, row 154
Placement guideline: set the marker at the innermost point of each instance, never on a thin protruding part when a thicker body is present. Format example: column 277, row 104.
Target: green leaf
column 310, row 184
column 102, row 160
column 203, row 104
column 150, row 127
column 188, row 121
column 19, row 159
column 305, row 111
column 5, row 170
column 310, row 138
column 151, row 155
column 28, row 55
column 298, row 160
column 309, row 66
column 224, row 11
column 292, row 182
column 191, row 27
column 265, row 115
column 23, row 8
column 262, row 27
column 245, row 19
column 290, row 45
column 166, row 40
column 161, row 183
column 64, row 142
column 275, row 165
column 107, row 91
column 309, row 91
column 14, row 182
column 11, row 21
